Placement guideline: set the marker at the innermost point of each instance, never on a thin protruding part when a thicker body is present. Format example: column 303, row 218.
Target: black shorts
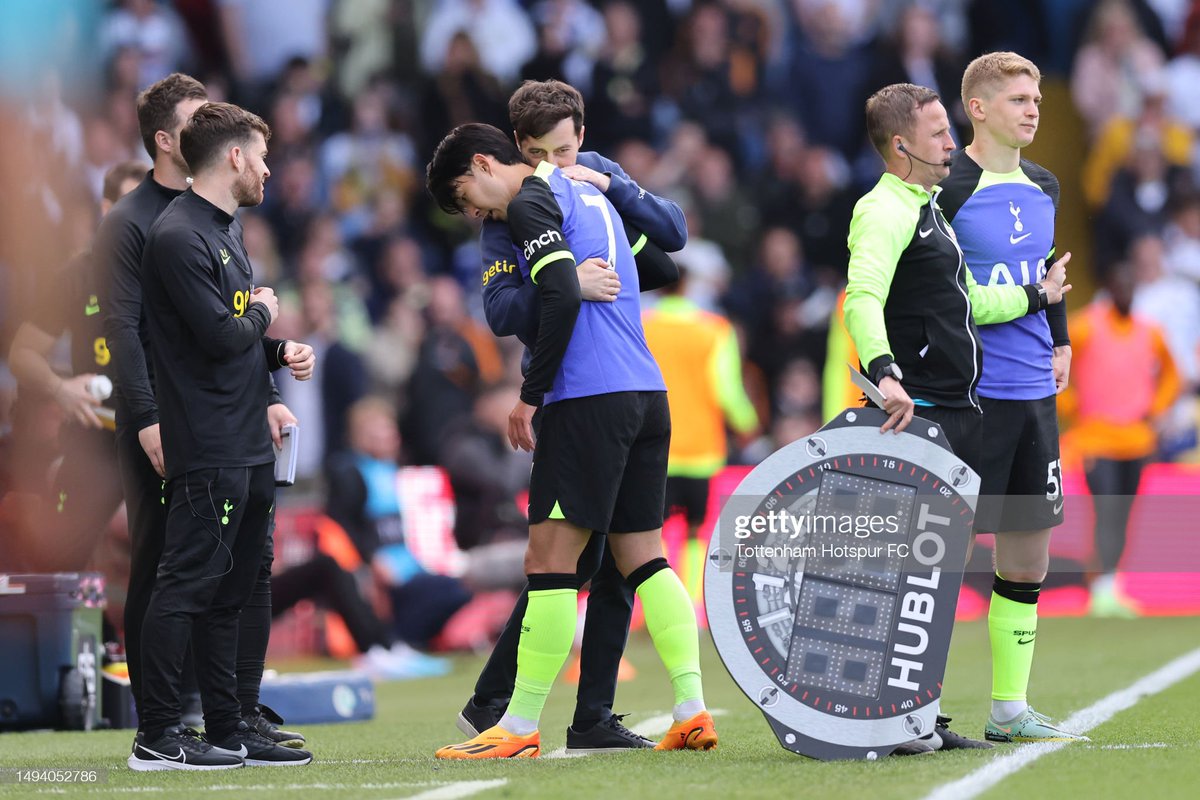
column 963, row 428
column 1022, row 474
column 689, row 494
column 601, row 462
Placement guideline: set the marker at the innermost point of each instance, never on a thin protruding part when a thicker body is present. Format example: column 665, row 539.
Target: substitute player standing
column 207, row 326
column 601, row 453
column 1003, row 209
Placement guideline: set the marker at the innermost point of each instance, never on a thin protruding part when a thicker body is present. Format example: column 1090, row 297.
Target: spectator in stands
column 500, row 30
column 831, row 108
column 365, row 500
column 918, row 55
column 295, row 203
column 458, row 357
column 371, row 157
column 323, row 404
column 1122, row 135
column 461, row 90
column 150, row 29
column 488, row 477
column 571, row 35
column 768, row 301
column 822, row 213
column 262, row 36
column 1182, row 237
column 382, row 656
column 1139, row 201
column 486, row 473
column 1182, row 74
column 1174, row 303
column 1112, row 65
column 624, row 81
column 701, row 77
column 727, row 212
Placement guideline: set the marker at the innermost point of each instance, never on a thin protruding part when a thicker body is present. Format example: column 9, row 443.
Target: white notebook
column 285, row 456
column 863, row 382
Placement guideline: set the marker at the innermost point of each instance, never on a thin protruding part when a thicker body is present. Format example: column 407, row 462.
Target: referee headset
column 900, row 148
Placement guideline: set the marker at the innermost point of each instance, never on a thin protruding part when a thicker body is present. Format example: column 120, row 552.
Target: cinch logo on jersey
column 545, row 240
column 497, row 268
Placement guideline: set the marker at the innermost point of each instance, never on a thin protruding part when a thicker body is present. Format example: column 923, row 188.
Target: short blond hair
column 985, row 74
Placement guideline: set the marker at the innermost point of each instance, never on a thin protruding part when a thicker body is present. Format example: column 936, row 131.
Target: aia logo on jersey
column 545, row 240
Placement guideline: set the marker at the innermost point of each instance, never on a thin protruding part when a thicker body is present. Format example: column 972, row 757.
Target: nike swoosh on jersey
column 1014, row 239
column 925, row 232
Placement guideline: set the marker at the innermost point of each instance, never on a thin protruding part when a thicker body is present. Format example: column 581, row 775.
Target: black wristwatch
column 1043, row 298
column 889, row 370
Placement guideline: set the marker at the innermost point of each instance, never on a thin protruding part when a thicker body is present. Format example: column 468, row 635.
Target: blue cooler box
column 316, row 697
column 50, row 635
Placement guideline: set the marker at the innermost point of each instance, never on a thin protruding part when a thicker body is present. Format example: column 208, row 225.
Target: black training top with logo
column 120, row 240
column 211, row 356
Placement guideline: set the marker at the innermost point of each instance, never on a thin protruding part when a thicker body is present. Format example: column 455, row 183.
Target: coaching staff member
column 207, row 327
column 162, row 110
column 911, row 303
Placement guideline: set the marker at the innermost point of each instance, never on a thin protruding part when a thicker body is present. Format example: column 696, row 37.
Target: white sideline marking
column 987, row 776
column 446, row 791
column 260, row 787
column 650, row 727
column 453, row 791
column 1150, row 746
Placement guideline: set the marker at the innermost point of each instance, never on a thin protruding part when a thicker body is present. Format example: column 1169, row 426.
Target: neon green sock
column 1012, row 627
column 671, row 620
column 693, row 560
column 547, row 631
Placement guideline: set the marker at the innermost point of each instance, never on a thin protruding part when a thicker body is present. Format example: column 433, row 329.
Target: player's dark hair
column 452, row 160
column 213, row 129
column 115, row 178
column 893, row 110
column 156, row 105
column 537, row 106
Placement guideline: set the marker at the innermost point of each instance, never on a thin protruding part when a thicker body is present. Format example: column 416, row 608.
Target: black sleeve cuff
column 274, row 351
column 876, row 366
column 1056, row 315
column 1035, row 303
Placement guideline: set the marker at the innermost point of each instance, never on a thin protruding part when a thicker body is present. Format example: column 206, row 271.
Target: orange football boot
column 495, row 742
column 697, row 733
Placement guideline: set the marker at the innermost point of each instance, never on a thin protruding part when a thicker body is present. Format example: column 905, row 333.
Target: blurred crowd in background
column 748, row 113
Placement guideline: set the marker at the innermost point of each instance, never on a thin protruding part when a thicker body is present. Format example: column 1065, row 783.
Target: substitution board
column 832, row 579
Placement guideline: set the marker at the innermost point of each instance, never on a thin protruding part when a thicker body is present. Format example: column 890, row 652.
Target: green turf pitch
column 1149, row 751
